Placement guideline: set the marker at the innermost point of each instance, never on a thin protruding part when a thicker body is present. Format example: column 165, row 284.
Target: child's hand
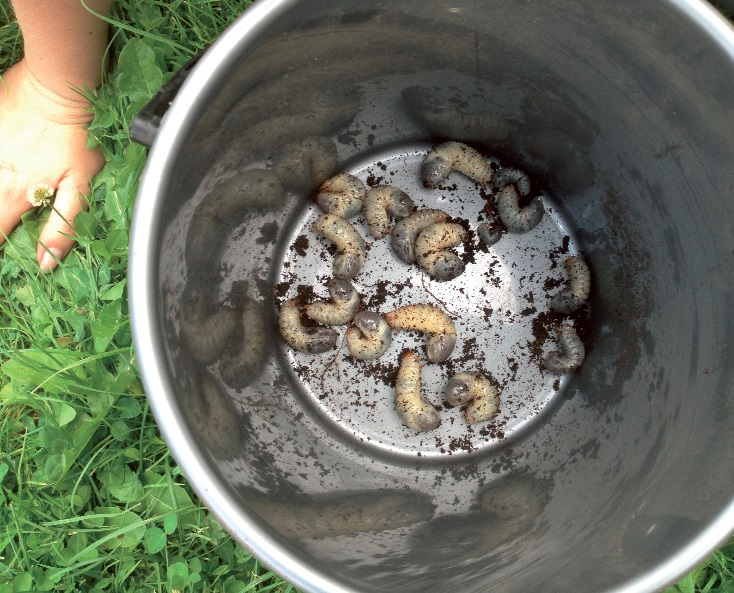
column 43, row 140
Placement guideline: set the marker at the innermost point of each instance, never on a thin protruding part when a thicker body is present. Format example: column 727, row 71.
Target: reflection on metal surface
column 504, row 510
column 213, row 418
column 340, row 514
column 248, row 349
column 304, row 164
column 443, row 118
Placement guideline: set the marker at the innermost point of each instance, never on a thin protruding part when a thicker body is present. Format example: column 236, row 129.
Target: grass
column 90, row 498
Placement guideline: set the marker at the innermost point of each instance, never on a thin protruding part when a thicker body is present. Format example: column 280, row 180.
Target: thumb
column 58, row 236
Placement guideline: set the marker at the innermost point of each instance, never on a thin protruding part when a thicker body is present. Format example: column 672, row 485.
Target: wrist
column 70, row 108
column 65, row 42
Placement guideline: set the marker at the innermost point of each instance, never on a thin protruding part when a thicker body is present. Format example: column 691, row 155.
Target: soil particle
column 281, row 290
column 374, row 181
column 381, row 370
column 301, row 245
column 381, row 293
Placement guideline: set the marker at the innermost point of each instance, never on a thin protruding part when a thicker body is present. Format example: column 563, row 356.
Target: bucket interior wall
column 625, row 112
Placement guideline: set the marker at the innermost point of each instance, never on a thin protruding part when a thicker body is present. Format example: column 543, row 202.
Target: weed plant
column 90, row 498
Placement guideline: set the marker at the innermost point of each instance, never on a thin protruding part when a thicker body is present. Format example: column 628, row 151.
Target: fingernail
column 48, row 263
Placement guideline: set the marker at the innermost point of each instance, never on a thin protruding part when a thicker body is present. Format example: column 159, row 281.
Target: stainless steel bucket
column 618, row 477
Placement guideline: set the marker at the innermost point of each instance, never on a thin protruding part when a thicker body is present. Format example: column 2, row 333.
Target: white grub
column 579, row 286
column 341, row 309
column 458, row 390
column 350, row 247
column 516, row 219
column 206, row 333
column 406, row 230
column 506, row 176
column 380, row 202
column 342, row 195
column 570, row 356
column 304, row 165
column 242, row 363
column 454, row 156
column 369, row 337
column 431, row 321
column 475, row 388
column 414, row 410
column 489, row 234
column 432, row 250
column 312, row 340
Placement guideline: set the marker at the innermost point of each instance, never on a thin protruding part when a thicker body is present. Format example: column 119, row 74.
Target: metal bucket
column 616, row 477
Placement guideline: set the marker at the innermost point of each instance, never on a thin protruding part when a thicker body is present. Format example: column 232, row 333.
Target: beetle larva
column 414, row 410
column 342, row 195
column 406, row 230
column 380, row 202
column 475, row 388
column 432, row 250
column 351, row 250
column 344, row 304
column 454, row 156
column 570, row 356
column 306, row 164
column 489, row 234
column 369, row 337
column 516, row 219
column 312, row 340
column 431, row 321
column 458, row 390
column 506, row 176
column 579, row 286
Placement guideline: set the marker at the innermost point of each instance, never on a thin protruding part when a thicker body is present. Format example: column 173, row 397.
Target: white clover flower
column 40, row 195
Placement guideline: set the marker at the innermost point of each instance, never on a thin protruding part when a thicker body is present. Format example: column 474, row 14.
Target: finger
column 57, row 236
column 13, row 202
